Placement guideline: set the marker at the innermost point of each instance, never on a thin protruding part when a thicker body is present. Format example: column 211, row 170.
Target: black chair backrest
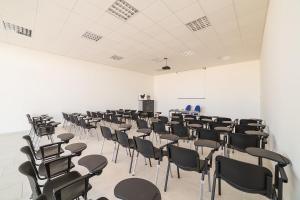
column 58, row 166
column 106, row 132
column 241, row 141
column 163, row 119
column 159, row 127
column 222, row 119
column 244, row 176
column 29, row 118
column 247, row 121
column 88, row 113
column 209, row 135
column 135, row 116
column 190, row 116
column 141, row 123
column 144, row 147
column 27, row 151
column 29, row 142
column 94, row 114
column 195, row 121
column 180, row 130
column 27, row 169
column 186, row 159
column 122, row 138
column 244, row 128
column 204, row 117
column 83, row 123
column 73, row 189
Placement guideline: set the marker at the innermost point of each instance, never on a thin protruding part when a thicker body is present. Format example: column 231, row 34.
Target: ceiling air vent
column 91, row 36
column 122, row 10
column 116, row 57
column 198, row 24
column 17, row 29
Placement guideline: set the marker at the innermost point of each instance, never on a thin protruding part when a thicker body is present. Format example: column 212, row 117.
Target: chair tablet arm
column 283, row 175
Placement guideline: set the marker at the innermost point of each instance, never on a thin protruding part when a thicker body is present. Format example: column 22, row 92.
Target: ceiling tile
column 140, row 21
column 157, row 11
column 21, row 13
column 176, row 5
column 190, row 13
column 170, row 22
column 214, row 5
column 140, row 4
column 88, row 10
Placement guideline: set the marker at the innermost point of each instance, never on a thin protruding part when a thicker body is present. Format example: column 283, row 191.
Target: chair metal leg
column 117, row 153
column 171, row 174
column 178, row 174
column 114, row 152
column 201, row 185
column 102, row 146
column 131, row 160
column 51, row 138
column 97, row 134
column 209, row 183
column 219, row 186
column 213, row 187
column 157, row 172
column 137, row 156
column 167, row 177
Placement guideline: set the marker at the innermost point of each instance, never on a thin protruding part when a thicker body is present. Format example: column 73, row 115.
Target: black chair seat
column 48, row 152
column 55, row 169
column 73, row 191
column 200, row 168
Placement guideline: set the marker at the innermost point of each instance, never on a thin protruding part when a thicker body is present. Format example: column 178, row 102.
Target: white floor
column 14, row 186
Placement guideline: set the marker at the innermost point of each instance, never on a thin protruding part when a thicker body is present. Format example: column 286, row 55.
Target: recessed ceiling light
column 188, row 53
column 224, row 58
column 122, row 10
column 198, row 24
column 116, row 57
column 91, row 36
column 17, row 29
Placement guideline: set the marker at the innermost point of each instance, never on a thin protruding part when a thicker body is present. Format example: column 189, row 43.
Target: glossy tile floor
column 15, row 186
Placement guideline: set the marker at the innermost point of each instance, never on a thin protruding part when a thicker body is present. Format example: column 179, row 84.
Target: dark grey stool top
column 170, row 137
column 76, row 147
column 263, row 153
column 66, row 137
column 93, row 163
column 194, row 125
column 258, row 133
column 207, row 143
column 223, row 128
column 136, row 189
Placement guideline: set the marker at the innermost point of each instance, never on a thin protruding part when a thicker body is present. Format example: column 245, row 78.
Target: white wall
column 229, row 90
column 280, row 83
column 36, row 82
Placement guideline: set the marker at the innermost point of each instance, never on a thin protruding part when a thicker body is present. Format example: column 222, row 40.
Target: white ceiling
column 158, row 30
